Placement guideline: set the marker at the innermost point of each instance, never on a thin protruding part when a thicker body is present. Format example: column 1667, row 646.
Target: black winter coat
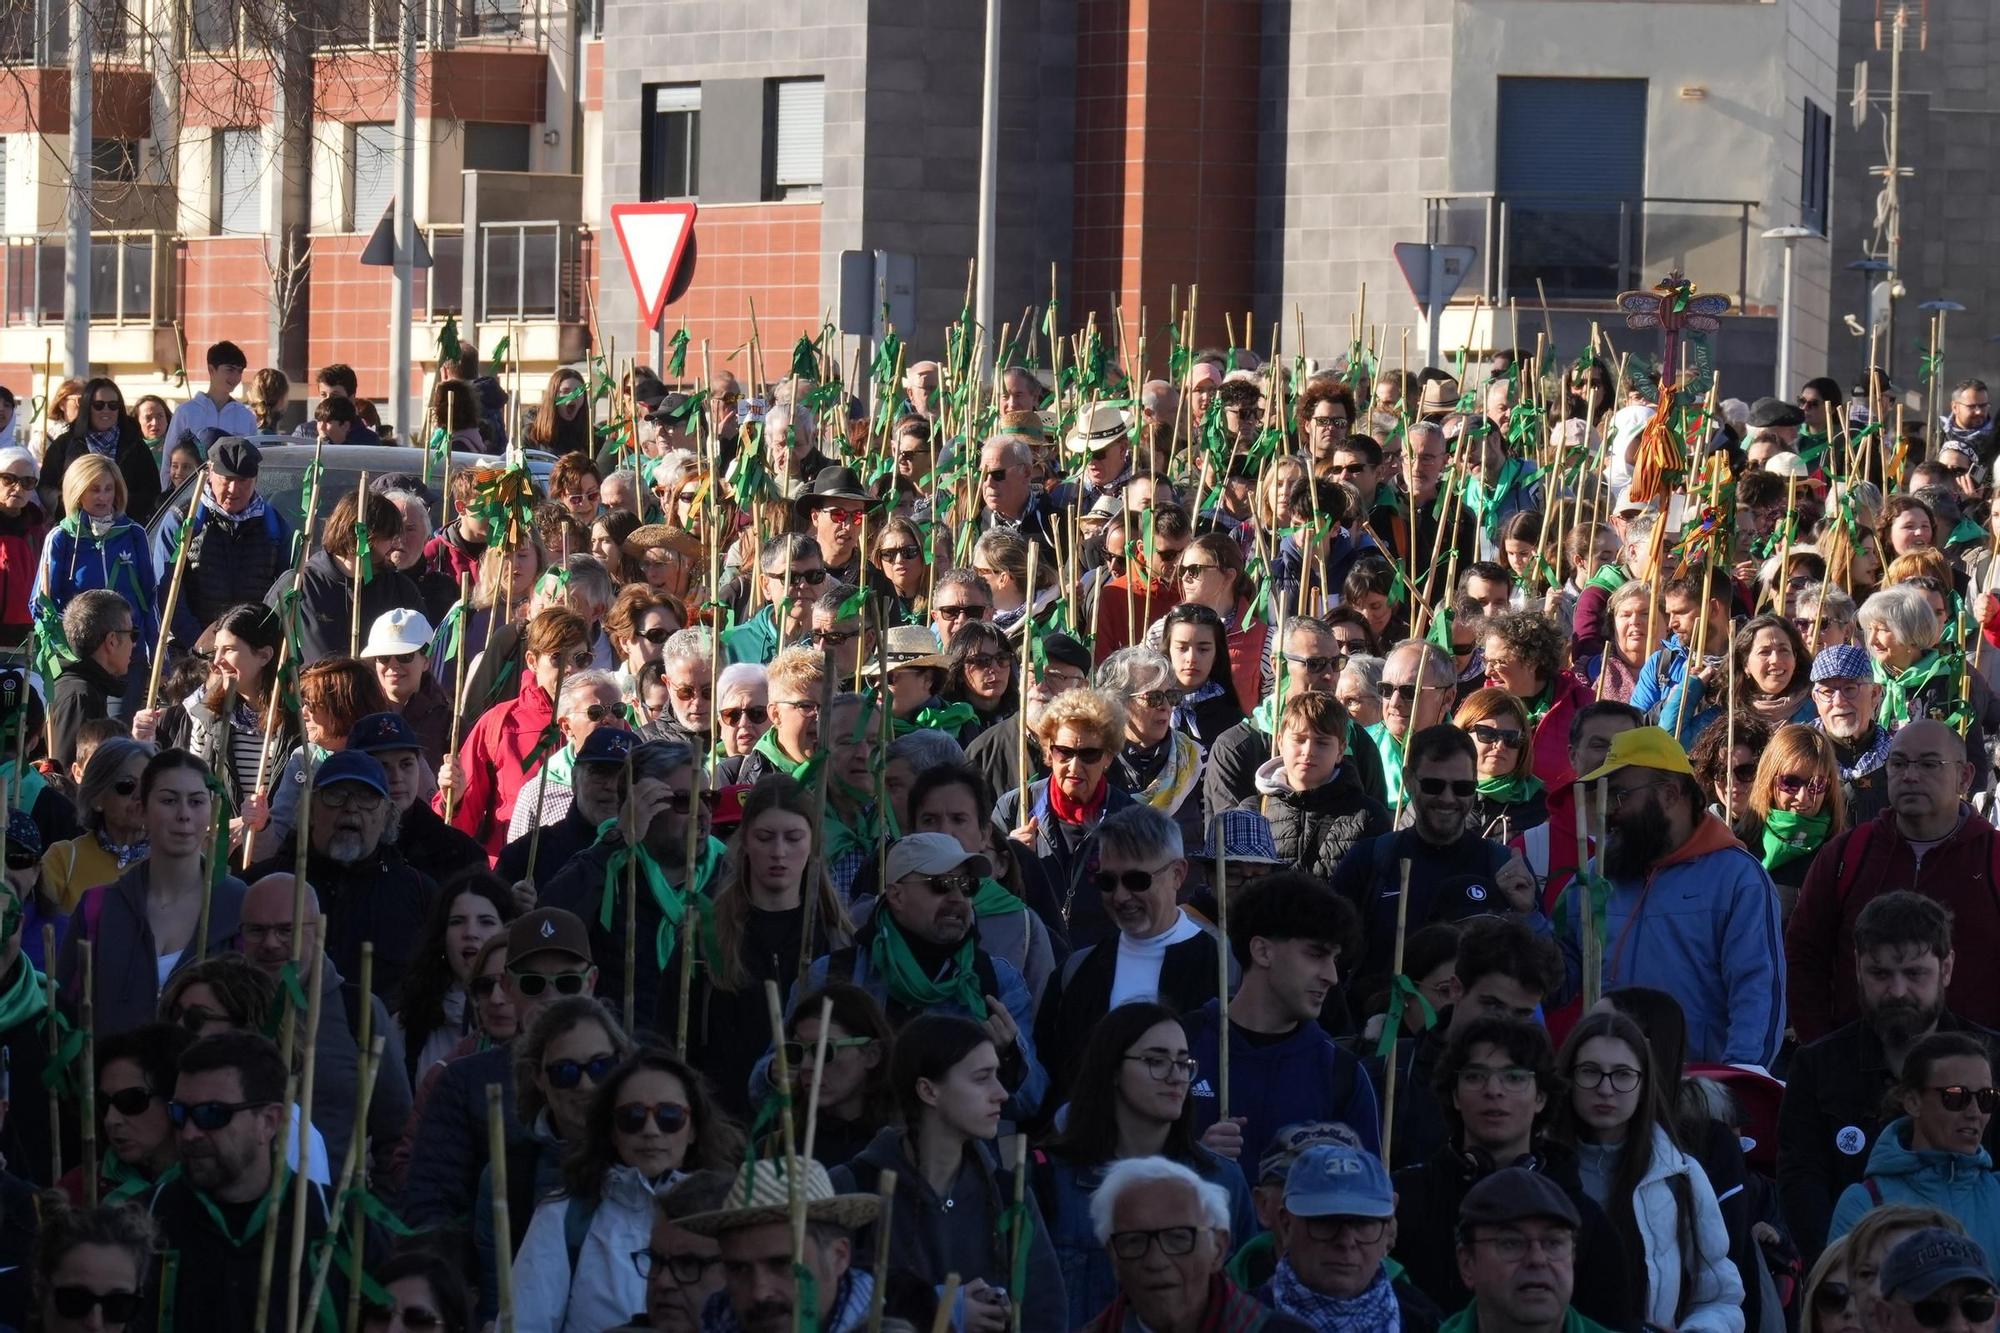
column 438, row 850
column 381, row 897
column 84, row 691
column 1233, row 761
column 326, row 606
column 135, row 462
column 562, row 842
column 230, row 562
column 1315, row 829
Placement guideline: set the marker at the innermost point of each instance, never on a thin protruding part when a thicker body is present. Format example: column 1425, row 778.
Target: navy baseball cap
column 1924, row 1262
column 352, row 766
column 1334, row 1180
column 381, row 731
column 607, row 745
column 23, row 836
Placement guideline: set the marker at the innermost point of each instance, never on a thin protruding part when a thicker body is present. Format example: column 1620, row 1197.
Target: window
column 1816, row 169
column 239, row 207
column 798, row 148
column 670, row 142
column 495, row 147
column 6, row 223
column 114, row 159
column 374, row 161
column 1575, row 203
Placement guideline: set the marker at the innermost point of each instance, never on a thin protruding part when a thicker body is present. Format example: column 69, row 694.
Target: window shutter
column 374, row 174
column 238, row 173
column 801, row 133
column 6, row 223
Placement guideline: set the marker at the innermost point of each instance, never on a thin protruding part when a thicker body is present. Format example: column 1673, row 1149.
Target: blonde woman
column 1796, row 807
column 98, row 546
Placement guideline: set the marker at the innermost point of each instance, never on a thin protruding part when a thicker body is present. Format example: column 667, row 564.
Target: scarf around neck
column 1513, row 789
column 851, row 1300
column 672, row 902
column 1867, row 760
column 103, row 443
column 995, row 899
column 890, row 956
column 1177, row 775
column 1070, row 812
column 1184, row 710
column 1789, row 835
column 25, row 999
column 1900, row 688
column 767, row 745
column 1373, row 1311
column 124, row 853
column 1485, row 501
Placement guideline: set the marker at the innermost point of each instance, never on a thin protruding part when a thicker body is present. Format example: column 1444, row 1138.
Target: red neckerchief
column 1069, row 812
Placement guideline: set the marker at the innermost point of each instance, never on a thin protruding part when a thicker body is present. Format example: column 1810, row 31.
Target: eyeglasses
column 1622, row 1078
column 1794, row 783
column 987, row 661
column 1901, row 764
column 1844, row 686
column 1463, row 787
column 129, row 1102
column 1161, row 698
column 1506, row 736
column 413, row 1316
column 1363, row 1230
column 578, row 499
column 1832, row 1297
column 1162, row 1068
column 1189, row 573
column 631, row 1117
column 959, row 612
column 1173, row 1242
column 1957, row 1097
column 731, row 716
column 1080, row 754
column 77, row 1302
column 800, row 1054
column 1513, row 1246
column 1477, row 1078
column 688, row 1269
column 207, row 1116
column 687, row 694
column 1062, row 680
column 843, row 518
column 350, row 796
column 531, row 984
column 1975, row 1307
column 17, row 483
column 125, row 786
column 1616, row 797
column 810, row 577
column 258, row 933
column 803, row 707
column 1328, row 423
column 897, row 554
column 834, row 638
column 1132, row 881
column 105, row 405
column 943, row 886
column 565, row 1075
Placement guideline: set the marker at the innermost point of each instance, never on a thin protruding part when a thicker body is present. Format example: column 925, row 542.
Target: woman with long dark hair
column 1196, row 643
column 1658, row 1198
column 950, row 1185
column 1130, row 1099
column 103, row 429
column 984, row 672
column 436, row 1013
column 562, row 422
column 651, row 1119
column 855, row 1100
column 776, row 858
column 1212, row 573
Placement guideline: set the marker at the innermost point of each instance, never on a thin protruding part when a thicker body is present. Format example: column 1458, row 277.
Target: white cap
column 17, row 460
column 398, row 631
column 1787, row 465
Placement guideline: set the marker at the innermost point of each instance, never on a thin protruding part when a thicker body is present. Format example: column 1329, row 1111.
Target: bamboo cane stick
column 503, row 1246
column 87, row 1077
column 1396, row 971
column 172, row 603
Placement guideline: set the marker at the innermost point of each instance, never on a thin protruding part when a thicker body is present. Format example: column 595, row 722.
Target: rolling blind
column 374, row 174
column 801, row 134
column 238, row 172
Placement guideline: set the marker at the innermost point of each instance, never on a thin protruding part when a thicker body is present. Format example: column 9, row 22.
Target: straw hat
column 908, row 646
column 658, row 536
column 760, row 1196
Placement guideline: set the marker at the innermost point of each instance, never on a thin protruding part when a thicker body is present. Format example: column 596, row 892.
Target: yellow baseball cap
column 1643, row 747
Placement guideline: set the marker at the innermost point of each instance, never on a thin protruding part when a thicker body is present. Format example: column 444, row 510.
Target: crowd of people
column 1279, row 847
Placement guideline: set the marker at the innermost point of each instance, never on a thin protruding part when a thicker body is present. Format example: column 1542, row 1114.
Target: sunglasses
column 124, row 786
column 565, row 1075
column 1794, row 783
column 842, row 518
column 631, row 1117
column 1976, row 1308
column 812, row 578
column 101, row 405
column 1191, row 572
column 208, row 1116
column 680, row 802
column 1744, row 773
column 1832, row 1297
column 687, row 694
column 731, row 716
column 400, row 659
column 943, row 886
column 1506, row 736
column 1319, row 666
column 18, row 860
column 129, row 1102
column 1439, row 786
column 531, row 984
column 1957, row 1097
column 973, row 609
column 78, row 1302
column 1132, row 881
column 898, row 554
column 1082, row 754
column 987, row 661
column 834, row 638
column 657, row 634
column 1160, row 698
column 799, row 1054
column 1405, row 693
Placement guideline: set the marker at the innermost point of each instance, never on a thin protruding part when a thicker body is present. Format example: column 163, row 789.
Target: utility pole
column 82, row 173
column 989, row 179
column 401, row 297
column 1889, row 206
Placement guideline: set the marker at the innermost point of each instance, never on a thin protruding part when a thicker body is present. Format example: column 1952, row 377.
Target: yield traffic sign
column 654, row 237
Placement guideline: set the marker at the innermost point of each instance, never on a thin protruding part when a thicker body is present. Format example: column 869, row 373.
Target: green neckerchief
column 1391, row 751
column 1608, row 577
column 561, row 768
column 949, row 718
column 1900, row 687
column 256, row 1222
column 671, row 901
column 77, row 525
column 1789, row 835
column 25, row 790
column 1264, row 717
column 890, row 957
column 1485, row 502
column 767, row 745
column 1538, row 707
column 994, row 899
column 1510, row 790
column 26, row 1000
column 125, row 1182
column 1968, row 530
column 841, row 838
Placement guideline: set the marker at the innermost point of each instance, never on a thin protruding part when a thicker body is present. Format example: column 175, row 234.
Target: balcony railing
column 531, row 271
column 218, row 27
column 445, row 287
column 129, row 279
column 1589, row 248
column 36, row 32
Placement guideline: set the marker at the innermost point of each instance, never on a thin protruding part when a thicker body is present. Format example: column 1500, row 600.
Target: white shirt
column 1138, row 973
column 1627, row 423
column 196, row 415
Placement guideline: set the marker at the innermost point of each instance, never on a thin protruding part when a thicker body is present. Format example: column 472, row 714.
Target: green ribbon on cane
column 1402, row 991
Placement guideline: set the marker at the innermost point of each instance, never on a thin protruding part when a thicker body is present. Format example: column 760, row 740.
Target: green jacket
column 1467, row 1321
column 755, row 640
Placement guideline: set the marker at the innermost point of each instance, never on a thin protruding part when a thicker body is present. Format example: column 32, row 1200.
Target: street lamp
column 1791, row 236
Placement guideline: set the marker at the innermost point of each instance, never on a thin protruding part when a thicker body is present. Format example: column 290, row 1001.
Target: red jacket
column 1551, row 758
column 493, row 759
column 1862, row 864
column 1249, row 645
column 20, row 553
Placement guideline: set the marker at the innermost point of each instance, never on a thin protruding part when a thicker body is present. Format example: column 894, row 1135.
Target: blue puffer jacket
column 1961, row 1185
column 1063, row 1189
column 74, row 560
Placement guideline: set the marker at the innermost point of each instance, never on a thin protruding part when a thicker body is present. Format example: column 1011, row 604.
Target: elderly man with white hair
column 589, row 700
column 687, row 664
column 791, row 450
column 1168, row 1233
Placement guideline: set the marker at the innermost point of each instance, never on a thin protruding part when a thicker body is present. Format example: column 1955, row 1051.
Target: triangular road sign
column 653, row 236
column 380, row 252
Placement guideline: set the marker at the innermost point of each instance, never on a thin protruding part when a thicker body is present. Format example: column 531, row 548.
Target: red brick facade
column 766, row 253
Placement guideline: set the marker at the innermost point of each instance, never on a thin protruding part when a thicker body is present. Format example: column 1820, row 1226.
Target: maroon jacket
column 1862, row 864
column 20, row 553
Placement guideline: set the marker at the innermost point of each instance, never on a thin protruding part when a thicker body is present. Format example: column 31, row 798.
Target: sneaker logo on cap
column 548, row 930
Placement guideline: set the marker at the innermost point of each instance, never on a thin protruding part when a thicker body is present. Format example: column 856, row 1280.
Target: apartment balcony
column 36, row 32
column 131, row 296
column 1581, row 251
column 529, row 281
column 238, row 27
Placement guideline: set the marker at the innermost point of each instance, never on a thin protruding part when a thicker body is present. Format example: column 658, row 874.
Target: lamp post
column 1791, row 236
